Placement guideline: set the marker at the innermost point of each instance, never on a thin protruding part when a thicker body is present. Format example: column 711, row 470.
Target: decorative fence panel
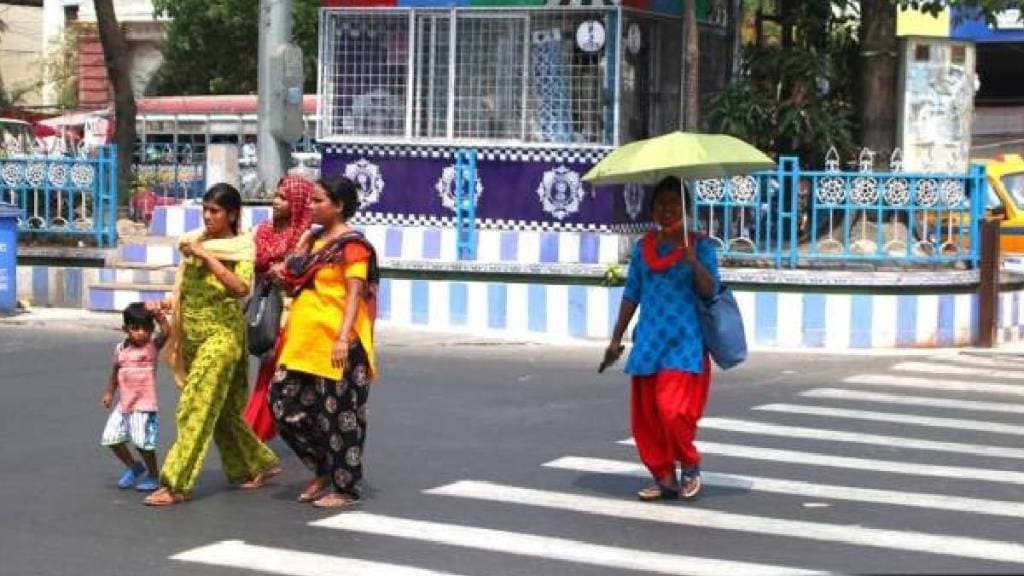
column 64, row 196
column 790, row 217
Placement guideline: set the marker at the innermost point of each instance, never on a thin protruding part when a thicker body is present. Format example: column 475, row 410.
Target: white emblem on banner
column 634, row 197
column 367, row 176
column 446, row 188
column 560, row 192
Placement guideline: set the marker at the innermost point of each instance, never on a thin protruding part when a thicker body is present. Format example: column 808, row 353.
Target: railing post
column 978, row 198
column 988, row 285
column 113, row 195
column 792, row 166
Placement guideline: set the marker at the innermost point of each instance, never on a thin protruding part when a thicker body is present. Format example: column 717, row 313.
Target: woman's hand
column 611, row 354
column 339, row 354
column 690, row 255
column 158, row 307
column 276, row 272
column 195, row 248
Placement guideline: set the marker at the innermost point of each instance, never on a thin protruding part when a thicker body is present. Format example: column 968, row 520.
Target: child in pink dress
column 134, row 379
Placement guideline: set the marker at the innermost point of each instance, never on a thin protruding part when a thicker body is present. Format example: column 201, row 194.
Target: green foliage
column 211, row 45
column 795, row 99
column 988, row 8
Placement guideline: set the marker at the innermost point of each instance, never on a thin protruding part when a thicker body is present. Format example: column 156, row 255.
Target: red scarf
column 649, row 248
column 272, row 245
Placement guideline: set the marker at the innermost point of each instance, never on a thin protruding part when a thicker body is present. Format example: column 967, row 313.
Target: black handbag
column 263, row 318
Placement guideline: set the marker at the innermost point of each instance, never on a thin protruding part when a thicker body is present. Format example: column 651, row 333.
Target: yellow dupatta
column 234, row 249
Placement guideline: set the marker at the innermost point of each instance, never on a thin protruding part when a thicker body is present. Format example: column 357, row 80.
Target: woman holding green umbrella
column 669, row 270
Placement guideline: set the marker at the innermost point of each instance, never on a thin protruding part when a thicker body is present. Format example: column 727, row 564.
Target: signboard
column 936, row 104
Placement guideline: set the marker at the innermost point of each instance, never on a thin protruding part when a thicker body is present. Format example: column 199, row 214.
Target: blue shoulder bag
column 722, row 327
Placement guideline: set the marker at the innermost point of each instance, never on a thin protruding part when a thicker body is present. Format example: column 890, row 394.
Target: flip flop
column 657, row 492
column 260, row 478
column 313, row 491
column 336, row 500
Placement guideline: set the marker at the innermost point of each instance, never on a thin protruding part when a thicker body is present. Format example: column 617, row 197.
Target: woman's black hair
column 670, row 184
column 343, row 192
column 227, row 197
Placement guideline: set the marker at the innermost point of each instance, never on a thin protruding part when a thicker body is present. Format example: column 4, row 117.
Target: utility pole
column 279, row 82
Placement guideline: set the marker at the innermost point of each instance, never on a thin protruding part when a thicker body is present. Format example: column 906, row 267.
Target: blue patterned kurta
column 667, row 335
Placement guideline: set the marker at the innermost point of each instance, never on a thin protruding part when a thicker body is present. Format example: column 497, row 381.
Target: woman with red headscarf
column 274, row 241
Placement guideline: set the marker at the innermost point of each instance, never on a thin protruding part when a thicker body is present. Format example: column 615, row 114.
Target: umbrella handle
column 686, row 229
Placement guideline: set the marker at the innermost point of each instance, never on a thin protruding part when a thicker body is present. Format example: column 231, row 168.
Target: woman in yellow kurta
column 208, row 356
column 319, row 393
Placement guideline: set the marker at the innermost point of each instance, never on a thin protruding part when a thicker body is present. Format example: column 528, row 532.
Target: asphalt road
column 488, row 458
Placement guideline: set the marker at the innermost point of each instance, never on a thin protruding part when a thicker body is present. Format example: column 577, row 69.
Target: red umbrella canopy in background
column 42, row 130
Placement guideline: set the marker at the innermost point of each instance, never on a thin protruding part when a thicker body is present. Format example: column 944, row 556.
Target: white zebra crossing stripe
column 882, row 398
column 808, row 489
column 937, row 368
column 994, row 550
column 543, row 547
column 869, row 415
column 848, row 462
column 1004, row 362
column 765, row 429
column 238, row 554
column 934, row 384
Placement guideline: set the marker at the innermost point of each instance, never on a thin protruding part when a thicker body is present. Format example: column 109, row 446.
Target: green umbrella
column 685, row 155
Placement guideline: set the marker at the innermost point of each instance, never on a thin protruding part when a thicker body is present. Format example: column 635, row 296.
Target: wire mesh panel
column 569, row 94
column 432, row 61
column 489, row 76
column 530, row 75
column 365, row 73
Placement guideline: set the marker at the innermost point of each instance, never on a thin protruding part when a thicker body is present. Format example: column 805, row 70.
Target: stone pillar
column 222, row 165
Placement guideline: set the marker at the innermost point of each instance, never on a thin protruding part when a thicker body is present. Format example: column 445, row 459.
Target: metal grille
column 569, row 93
column 433, row 53
column 650, row 76
column 366, row 74
column 489, row 76
column 472, row 74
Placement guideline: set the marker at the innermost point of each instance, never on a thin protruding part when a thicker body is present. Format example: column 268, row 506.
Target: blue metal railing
column 64, row 196
column 790, row 217
column 465, row 203
column 172, row 171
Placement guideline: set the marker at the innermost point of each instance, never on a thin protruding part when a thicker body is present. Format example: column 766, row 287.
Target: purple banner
column 511, row 190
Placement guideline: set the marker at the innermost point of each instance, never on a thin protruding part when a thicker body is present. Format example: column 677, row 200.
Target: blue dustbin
column 8, row 258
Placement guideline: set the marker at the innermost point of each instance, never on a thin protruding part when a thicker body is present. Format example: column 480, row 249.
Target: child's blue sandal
column 127, row 479
column 147, row 483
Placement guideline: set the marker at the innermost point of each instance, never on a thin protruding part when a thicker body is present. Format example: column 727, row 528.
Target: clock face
column 633, row 39
column 590, row 36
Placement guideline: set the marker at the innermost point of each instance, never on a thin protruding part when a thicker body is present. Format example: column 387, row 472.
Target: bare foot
column 164, row 497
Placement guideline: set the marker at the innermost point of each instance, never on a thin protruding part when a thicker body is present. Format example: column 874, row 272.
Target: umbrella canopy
column 684, row 155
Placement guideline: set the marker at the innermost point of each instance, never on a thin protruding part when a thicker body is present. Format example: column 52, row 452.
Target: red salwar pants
column 665, row 409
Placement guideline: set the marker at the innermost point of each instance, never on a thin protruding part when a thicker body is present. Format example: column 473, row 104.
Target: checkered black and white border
column 501, row 154
column 389, row 219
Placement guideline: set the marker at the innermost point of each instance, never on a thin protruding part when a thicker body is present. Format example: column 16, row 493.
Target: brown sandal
column 658, row 492
column 314, row 490
column 336, row 500
column 164, row 497
column 260, row 478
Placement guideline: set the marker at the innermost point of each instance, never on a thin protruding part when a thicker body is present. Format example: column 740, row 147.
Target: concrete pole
column 272, row 155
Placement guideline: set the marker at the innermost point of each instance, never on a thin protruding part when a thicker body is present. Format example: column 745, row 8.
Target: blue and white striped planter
column 413, row 242
column 563, row 312
column 771, row 319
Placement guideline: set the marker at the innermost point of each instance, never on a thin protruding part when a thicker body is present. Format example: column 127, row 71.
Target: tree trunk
column 689, row 119
column 878, row 76
column 115, row 55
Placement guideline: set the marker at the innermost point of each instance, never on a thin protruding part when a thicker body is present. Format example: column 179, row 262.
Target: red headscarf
column 272, row 245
